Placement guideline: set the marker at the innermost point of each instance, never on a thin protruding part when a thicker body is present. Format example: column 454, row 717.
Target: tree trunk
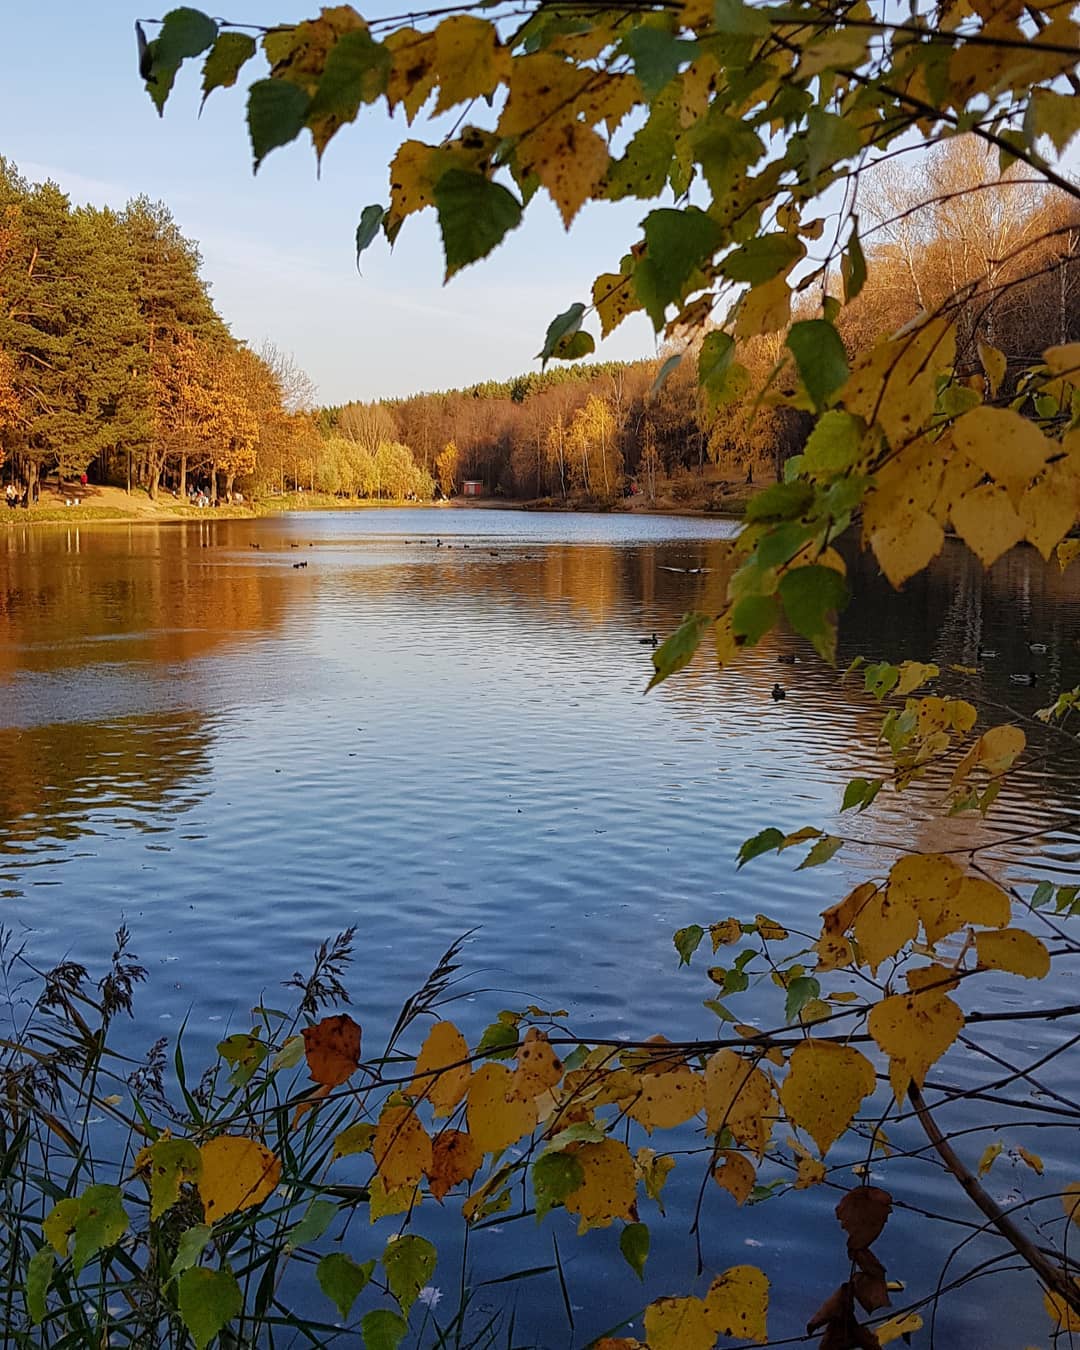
column 213, row 484
column 183, row 476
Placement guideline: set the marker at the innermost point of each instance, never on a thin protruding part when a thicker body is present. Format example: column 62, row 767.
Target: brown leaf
column 332, row 1048
column 863, row 1213
column 835, row 1308
column 869, row 1282
column 455, row 1157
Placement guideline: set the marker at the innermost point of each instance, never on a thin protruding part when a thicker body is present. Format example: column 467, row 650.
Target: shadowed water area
column 238, row 757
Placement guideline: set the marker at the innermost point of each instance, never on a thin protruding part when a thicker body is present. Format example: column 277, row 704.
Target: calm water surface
column 238, row 756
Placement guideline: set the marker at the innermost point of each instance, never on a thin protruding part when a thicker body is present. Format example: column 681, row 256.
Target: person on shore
column 11, row 496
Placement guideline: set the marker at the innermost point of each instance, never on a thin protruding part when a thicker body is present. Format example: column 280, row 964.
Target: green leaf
column 853, row 264
column 290, row 1054
column 1042, row 896
column 475, row 215
column 732, row 16
column 879, row 679
column 409, row 1262
column 245, row 1053
column 564, row 325
column 355, row 1138
column 781, row 501
column 341, row 1279
column 574, row 347
column 657, row 56
column 583, row 1132
column 208, row 1301
column 555, row 1175
column 860, row 792
column 765, row 842
column 821, row 852
column 99, row 1220
column 763, row 258
column 753, row 617
column 687, row 940
column 634, row 1245
column 669, row 367
column 833, row 445
column 383, row 1330
column 276, row 113
column 183, row 33
column 821, row 358
column 317, row 1219
column 228, row 54
column 191, row 1246
column 829, row 139
column 677, row 243
column 172, row 1162
column 356, row 72
column 39, row 1273
column 499, row 1041
column 678, row 650
column 799, row 993
column 371, row 219
column 812, row 597
column 714, row 363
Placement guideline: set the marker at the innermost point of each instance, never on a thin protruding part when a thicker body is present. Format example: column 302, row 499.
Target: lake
column 238, row 756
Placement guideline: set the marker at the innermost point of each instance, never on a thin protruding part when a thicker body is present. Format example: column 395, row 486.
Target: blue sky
column 277, row 247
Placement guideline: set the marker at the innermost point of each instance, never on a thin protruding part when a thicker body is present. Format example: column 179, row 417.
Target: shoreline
column 114, row 506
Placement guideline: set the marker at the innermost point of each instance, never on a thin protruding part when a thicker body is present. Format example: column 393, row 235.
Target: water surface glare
column 438, row 725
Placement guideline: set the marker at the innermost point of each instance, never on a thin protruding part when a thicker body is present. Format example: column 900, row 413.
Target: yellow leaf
column 933, row 976
column 470, row 59
column 809, row 1172
column 496, row 1122
column 653, row 1171
column 769, row 929
column 994, row 363
column 975, row 902
column 678, row 1324
column 824, row 1089
column 990, row 1156
column 838, row 918
column 738, row 1095
column 385, row 1200
column 1049, row 508
column 995, row 751
column 1064, row 360
column 914, row 1030
column 737, row 1303
column 455, row 1157
column 669, row 1099
column 542, row 86
column 833, row 952
column 1032, row 1159
column 913, row 674
column 903, row 543
column 764, row 309
column 902, row 1325
column 735, row 1174
column 1070, row 1200
column 1060, row 1312
column 538, row 1068
column 614, row 297
column 727, row 649
column 927, row 881
column 412, row 70
column 569, row 159
column 356, row 1138
column 986, row 520
column 237, row 1173
column 442, row 1056
column 609, row 1189
column 726, row 932
column 1014, row 950
column 1067, row 550
column 886, row 924
column 401, row 1147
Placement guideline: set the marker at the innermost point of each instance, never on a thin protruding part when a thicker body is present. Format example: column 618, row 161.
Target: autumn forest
column 114, row 361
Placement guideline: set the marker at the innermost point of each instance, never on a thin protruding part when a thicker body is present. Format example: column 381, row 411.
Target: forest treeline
column 1008, row 248
column 114, row 361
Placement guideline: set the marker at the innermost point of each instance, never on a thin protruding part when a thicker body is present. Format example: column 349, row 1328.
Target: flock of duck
column 1029, row 677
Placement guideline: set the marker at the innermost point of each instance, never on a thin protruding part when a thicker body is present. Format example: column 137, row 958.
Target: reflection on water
column 438, row 724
